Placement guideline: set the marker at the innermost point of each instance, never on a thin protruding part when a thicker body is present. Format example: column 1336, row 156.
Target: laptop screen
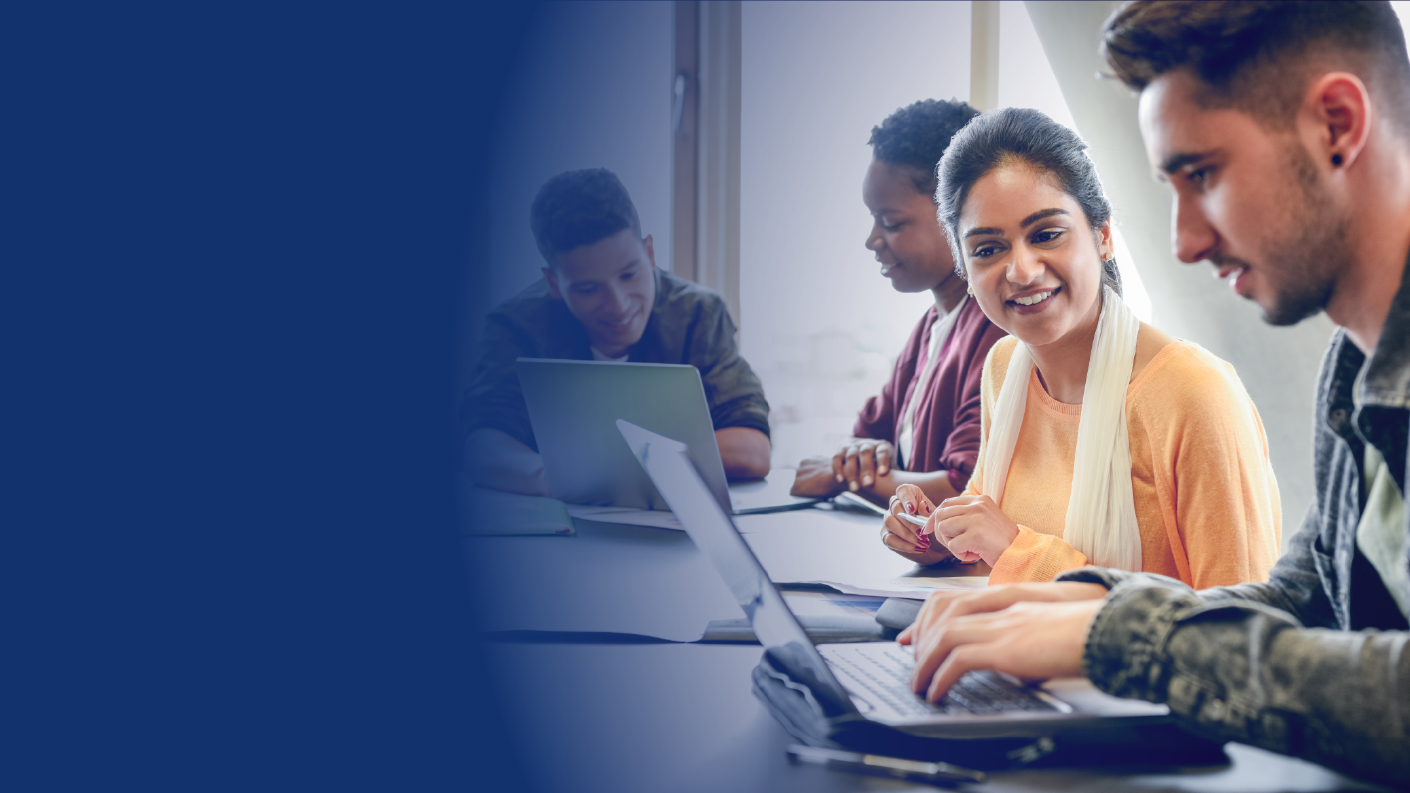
column 668, row 464
column 573, row 406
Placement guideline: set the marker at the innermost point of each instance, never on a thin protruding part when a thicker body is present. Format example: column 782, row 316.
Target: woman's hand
column 905, row 538
column 973, row 528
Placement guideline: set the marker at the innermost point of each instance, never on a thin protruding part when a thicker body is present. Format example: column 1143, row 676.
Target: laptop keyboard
column 885, row 669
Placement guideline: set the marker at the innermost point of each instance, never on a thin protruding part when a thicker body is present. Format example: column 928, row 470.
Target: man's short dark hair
column 917, row 136
column 1255, row 56
column 577, row 208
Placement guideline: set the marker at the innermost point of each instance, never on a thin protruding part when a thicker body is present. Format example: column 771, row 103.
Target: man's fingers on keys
column 961, row 632
column 941, row 641
column 937, row 605
column 930, row 616
column 929, row 654
column 940, row 608
column 837, row 461
column 983, row 601
column 964, row 659
column 943, row 608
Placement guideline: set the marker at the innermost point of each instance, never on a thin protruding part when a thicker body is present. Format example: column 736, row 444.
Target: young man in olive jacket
column 602, row 298
column 1283, row 130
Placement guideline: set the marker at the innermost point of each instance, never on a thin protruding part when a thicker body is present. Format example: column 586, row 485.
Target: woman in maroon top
column 923, row 428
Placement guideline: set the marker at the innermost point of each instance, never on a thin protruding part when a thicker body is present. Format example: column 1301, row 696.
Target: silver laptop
column 870, row 678
column 573, row 406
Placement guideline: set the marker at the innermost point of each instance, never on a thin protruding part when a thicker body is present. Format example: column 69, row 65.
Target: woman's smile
column 1032, row 302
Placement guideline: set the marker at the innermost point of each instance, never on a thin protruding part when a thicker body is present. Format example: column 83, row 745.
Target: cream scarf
column 1101, row 513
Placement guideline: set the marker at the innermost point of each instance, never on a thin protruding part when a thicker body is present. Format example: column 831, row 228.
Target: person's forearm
column 498, row 461
column 744, row 451
column 1269, row 594
column 935, row 484
column 1240, row 670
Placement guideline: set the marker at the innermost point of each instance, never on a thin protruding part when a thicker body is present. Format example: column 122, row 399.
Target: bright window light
column 1402, row 9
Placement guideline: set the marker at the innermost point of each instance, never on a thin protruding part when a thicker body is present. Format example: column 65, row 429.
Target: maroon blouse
column 946, row 423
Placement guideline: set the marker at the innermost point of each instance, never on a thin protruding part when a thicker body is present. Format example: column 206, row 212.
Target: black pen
column 941, row 774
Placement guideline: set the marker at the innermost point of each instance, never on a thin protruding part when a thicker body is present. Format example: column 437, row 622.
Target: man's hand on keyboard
column 1006, row 632
column 942, row 607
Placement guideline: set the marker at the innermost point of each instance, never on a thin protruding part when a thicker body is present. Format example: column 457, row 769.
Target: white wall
column 820, row 325
column 592, row 89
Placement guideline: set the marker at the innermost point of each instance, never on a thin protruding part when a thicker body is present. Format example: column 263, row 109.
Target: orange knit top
column 1206, row 500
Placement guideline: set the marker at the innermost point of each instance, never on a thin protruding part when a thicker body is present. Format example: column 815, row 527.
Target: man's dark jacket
column 689, row 324
column 1314, row 662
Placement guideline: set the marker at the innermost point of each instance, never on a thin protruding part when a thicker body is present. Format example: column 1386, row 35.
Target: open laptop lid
column 671, row 468
column 573, row 406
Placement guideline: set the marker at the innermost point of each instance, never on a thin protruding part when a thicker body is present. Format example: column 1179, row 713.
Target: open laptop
column 866, row 680
column 574, row 406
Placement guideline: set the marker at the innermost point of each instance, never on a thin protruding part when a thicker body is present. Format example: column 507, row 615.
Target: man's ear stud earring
column 1336, row 159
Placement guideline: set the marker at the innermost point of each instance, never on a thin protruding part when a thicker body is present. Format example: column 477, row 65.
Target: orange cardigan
column 1206, row 499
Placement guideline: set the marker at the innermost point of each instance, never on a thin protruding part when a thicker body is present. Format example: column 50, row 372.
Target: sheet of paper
column 914, row 588
column 659, row 519
column 844, row 551
column 820, row 603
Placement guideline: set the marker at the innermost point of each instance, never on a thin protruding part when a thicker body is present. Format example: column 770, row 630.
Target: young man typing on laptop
column 1283, row 130
column 602, row 298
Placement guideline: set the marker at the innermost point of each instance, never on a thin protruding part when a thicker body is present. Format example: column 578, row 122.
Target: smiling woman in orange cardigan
column 1206, row 499
column 1025, row 212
